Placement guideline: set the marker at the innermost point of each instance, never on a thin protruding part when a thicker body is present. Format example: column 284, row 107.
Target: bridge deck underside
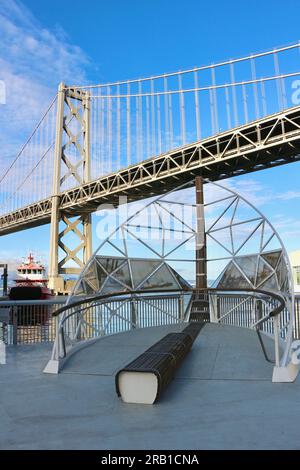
column 265, row 143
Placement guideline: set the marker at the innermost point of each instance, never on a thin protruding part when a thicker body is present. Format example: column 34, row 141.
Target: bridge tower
column 71, row 167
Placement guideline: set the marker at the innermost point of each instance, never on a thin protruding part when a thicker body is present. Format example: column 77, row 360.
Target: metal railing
column 29, row 321
column 115, row 313
column 102, row 315
column 266, row 314
column 230, row 309
column 70, row 326
column 239, row 310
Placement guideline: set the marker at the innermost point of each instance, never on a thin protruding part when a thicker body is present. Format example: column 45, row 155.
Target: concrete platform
column 221, row 398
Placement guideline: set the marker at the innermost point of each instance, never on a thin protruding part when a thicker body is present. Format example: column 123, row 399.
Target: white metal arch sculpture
column 154, row 247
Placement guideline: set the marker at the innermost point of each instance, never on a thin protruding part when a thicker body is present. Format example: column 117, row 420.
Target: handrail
column 80, row 302
column 274, row 313
column 117, row 294
column 18, row 303
column 276, row 296
column 129, row 295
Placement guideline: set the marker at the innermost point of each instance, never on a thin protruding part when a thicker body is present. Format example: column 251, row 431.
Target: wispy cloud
column 260, row 194
column 33, row 60
column 251, row 189
column 269, row 201
column 288, row 195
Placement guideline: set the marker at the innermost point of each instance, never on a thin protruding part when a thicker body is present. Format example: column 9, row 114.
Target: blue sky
column 43, row 43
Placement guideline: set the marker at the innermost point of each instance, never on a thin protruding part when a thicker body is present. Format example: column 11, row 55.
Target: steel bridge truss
column 264, row 143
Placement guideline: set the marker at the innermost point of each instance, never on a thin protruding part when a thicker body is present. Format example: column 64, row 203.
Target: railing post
column 276, row 339
column 53, row 365
column 133, row 313
column 57, row 341
column 214, row 303
column 181, row 307
column 14, row 322
column 259, row 310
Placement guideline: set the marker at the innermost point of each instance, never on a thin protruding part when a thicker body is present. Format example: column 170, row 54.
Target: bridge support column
column 201, row 261
column 200, row 304
column 56, row 282
column 87, row 230
column 71, row 168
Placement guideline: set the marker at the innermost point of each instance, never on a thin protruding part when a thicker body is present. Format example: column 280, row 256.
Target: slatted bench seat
column 144, row 379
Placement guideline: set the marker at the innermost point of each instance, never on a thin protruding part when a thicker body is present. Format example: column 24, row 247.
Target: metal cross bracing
column 73, row 153
column 142, row 137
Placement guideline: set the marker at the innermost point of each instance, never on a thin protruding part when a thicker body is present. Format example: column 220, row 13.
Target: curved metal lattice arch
column 154, row 247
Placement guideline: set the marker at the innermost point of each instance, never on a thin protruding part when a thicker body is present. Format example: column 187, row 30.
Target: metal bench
column 144, row 379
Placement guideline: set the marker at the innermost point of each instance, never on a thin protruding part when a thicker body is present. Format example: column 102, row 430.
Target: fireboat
column 31, row 282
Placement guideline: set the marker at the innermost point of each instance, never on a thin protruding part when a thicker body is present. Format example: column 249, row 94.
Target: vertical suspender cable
column 118, row 129
column 245, row 103
column 44, row 150
column 215, row 102
column 282, row 101
column 158, row 124
column 102, row 114
column 35, row 174
column 48, row 159
column 46, row 139
column 137, row 131
column 95, row 137
column 31, row 180
column 128, row 125
column 278, row 84
column 153, row 131
column 148, row 126
column 92, row 133
column 263, row 98
column 141, row 147
column 166, row 142
column 229, row 125
column 26, row 197
column 197, row 110
column 235, row 110
column 109, row 128
column 182, row 110
column 212, row 116
column 171, row 121
column 253, row 75
column 99, row 131
column 48, row 175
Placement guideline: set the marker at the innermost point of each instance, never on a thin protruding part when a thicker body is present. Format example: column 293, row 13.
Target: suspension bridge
column 142, row 137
